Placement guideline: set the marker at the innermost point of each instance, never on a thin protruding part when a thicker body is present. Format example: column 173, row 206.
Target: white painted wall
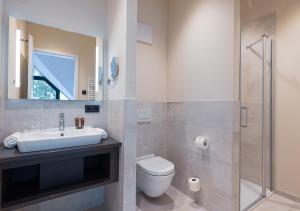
column 131, row 36
column 121, row 43
column 121, row 37
column 201, row 50
column 151, row 61
column 194, row 51
column 254, row 9
column 287, row 100
column 116, row 46
column 1, row 57
column 1, row 76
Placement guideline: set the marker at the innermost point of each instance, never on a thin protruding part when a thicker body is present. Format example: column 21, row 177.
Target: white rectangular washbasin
column 53, row 139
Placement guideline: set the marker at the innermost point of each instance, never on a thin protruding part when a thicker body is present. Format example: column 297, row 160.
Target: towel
column 104, row 134
column 11, row 141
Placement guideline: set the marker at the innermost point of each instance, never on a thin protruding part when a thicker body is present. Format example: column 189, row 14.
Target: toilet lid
column 156, row 166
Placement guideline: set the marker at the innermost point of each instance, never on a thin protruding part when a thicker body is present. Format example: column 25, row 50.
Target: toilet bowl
column 154, row 175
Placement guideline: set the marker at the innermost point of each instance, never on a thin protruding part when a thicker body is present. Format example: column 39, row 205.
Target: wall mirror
column 47, row 63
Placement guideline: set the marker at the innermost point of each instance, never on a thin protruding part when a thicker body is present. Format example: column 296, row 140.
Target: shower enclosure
column 256, row 112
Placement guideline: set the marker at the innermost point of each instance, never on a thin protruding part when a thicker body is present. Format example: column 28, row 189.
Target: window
column 43, row 89
column 54, row 76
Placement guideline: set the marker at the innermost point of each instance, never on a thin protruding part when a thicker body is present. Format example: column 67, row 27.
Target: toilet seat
column 156, row 166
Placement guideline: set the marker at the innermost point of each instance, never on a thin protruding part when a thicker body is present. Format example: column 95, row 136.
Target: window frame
column 43, row 78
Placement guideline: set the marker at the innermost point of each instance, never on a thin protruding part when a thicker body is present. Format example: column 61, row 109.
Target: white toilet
column 154, row 175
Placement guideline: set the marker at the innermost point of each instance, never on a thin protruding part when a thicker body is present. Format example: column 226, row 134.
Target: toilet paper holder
column 201, row 142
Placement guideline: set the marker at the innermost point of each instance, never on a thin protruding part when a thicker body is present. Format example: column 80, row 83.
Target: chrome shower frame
column 263, row 39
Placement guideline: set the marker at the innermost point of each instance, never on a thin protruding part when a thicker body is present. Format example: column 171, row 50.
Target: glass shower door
column 255, row 96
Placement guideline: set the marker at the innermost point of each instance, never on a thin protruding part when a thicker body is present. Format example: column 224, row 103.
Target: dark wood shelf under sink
column 28, row 178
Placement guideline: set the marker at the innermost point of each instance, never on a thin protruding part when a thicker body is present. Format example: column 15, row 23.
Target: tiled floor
column 276, row 202
column 172, row 200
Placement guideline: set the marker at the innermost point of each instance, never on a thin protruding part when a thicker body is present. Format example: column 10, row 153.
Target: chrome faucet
column 61, row 123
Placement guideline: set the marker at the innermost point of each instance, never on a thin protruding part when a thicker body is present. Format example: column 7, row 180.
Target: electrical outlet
column 92, row 108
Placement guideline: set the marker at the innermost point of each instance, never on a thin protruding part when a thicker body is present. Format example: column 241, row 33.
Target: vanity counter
column 8, row 155
column 27, row 178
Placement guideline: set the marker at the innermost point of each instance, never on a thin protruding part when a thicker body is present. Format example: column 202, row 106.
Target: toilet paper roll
column 194, row 184
column 201, row 142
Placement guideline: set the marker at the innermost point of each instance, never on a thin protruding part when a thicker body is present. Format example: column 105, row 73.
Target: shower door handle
column 244, row 117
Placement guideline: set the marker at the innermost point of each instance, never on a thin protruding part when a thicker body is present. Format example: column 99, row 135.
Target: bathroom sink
column 30, row 141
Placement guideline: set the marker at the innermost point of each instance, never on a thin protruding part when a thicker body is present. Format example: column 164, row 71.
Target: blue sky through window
column 58, row 69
